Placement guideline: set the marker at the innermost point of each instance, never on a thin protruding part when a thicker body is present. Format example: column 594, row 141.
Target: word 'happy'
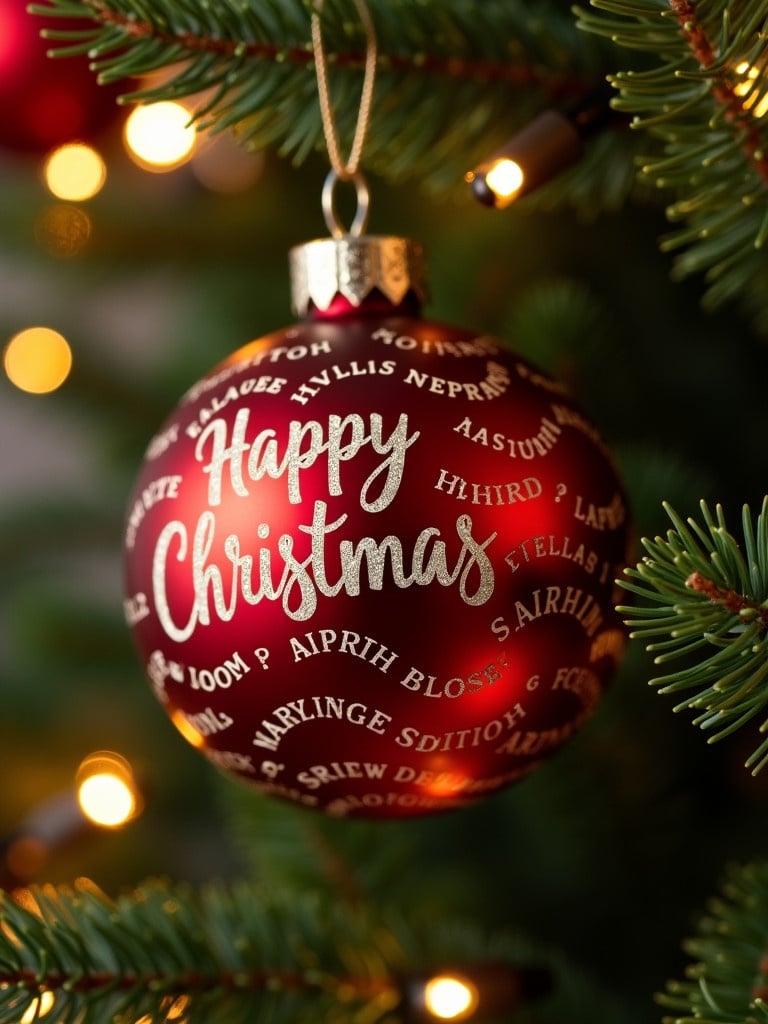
column 345, row 437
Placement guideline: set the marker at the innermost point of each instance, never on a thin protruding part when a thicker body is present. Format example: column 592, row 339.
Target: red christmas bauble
column 45, row 101
column 370, row 562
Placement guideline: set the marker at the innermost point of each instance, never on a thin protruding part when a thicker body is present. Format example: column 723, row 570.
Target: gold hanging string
column 345, row 170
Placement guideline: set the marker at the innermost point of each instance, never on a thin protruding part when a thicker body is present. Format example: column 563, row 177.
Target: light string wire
column 345, row 170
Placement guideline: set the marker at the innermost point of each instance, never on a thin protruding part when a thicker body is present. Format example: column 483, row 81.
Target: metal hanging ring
column 360, row 221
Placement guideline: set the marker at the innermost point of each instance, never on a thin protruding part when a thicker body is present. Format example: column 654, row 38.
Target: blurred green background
column 610, row 849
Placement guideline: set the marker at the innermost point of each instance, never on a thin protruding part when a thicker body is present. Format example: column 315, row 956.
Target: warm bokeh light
column 177, row 1008
column 26, row 857
column 223, row 165
column 37, row 360
column 505, row 179
column 74, row 172
column 187, row 730
column 159, row 137
column 450, row 998
column 63, row 230
column 106, row 790
column 38, row 1008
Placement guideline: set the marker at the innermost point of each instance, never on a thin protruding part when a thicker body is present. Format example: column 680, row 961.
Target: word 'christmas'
column 302, row 579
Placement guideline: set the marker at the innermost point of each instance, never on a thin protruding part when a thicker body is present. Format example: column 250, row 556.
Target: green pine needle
column 243, row 954
column 706, row 604
column 167, row 952
column 457, row 79
column 454, row 79
column 703, row 100
column 728, row 982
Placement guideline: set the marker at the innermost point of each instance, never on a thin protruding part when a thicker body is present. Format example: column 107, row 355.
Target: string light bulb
column 450, row 998
column 539, row 151
column 505, row 179
column 474, row 992
column 105, row 794
column 542, row 149
column 107, row 791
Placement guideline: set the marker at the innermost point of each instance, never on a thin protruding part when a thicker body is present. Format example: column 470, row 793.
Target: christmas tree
column 625, row 877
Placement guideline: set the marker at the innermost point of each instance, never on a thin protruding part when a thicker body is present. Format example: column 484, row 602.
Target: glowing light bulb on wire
column 505, row 179
column 106, row 790
column 482, row 991
column 541, row 149
column 450, row 998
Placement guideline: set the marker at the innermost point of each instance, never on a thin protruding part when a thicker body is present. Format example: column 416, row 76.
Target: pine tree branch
column 224, row 951
column 241, row 953
column 703, row 98
column 286, row 848
column 725, row 90
column 727, row 982
column 454, row 79
column 520, row 74
column 182, row 983
column 709, row 604
column 727, row 598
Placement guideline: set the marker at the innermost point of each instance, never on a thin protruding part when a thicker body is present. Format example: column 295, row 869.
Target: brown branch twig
column 723, row 88
column 729, row 599
column 520, row 75
column 188, row 981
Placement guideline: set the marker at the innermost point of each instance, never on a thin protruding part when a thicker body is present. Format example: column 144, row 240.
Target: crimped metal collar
column 352, row 267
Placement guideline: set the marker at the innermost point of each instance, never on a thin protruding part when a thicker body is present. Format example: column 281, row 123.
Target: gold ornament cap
column 352, row 267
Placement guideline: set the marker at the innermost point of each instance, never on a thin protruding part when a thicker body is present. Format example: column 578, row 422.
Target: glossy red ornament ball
column 370, row 562
column 47, row 101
